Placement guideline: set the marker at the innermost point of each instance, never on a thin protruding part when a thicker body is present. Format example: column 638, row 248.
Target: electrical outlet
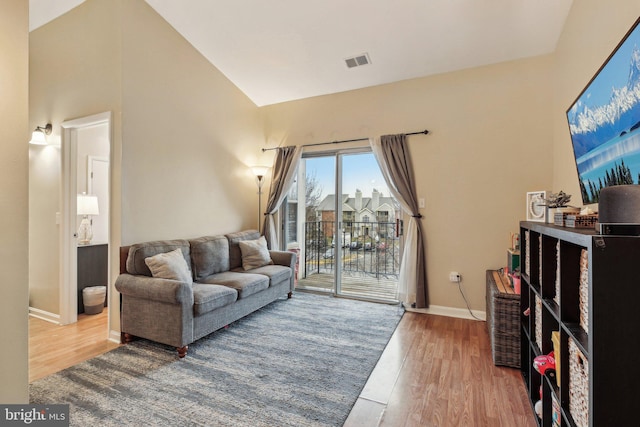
column 455, row 277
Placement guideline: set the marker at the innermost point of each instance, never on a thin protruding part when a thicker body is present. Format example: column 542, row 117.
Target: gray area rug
column 298, row 362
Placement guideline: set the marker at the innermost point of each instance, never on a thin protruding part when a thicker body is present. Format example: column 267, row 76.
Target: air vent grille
column 358, row 61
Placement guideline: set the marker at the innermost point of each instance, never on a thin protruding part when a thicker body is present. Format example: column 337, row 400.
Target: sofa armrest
column 286, row 258
column 152, row 288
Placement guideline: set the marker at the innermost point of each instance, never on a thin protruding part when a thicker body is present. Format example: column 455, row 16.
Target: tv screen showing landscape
column 604, row 122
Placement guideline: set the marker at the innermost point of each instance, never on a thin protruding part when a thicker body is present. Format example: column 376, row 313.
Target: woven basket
column 556, row 297
column 538, row 322
column 578, row 385
column 583, row 290
column 503, row 311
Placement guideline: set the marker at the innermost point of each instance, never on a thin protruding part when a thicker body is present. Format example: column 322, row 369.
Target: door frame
column 68, row 236
column 338, row 155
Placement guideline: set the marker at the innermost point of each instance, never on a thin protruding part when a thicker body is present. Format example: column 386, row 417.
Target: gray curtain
column 392, row 154
column 282, row 177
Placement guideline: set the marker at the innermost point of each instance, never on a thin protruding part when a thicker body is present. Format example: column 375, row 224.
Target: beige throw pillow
column 255, row 253
column 170, row 265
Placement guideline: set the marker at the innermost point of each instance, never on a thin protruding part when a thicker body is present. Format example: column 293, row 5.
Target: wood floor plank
column 53, row 348
column 448, row 378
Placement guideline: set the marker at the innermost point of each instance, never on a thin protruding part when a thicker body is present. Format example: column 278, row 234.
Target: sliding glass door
column 346, row 226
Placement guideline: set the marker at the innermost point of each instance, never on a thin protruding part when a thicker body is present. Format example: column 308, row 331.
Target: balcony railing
column 368, row 249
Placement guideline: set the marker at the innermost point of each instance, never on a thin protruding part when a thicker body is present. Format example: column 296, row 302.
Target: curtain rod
column 423, row 132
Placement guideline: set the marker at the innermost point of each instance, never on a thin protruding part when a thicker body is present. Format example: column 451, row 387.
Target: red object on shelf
column 545, row 364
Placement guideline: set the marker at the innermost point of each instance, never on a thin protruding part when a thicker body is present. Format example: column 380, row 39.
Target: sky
column 360, row 171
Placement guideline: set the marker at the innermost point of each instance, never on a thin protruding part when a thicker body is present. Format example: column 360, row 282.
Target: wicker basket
column 538, row 323
column 556, row 297
column 503, row 323
column 578, row 385
column 583, row 290
column 540, row 259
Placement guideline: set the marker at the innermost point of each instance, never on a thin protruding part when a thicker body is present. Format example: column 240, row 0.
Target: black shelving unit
column 605, row 338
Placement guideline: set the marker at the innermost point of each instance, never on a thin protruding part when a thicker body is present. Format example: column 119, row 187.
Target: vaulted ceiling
column 282, row 50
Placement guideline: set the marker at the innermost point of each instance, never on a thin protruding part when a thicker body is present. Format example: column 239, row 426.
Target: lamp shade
column 260, row 171
column 38, row 138
column 87, row 204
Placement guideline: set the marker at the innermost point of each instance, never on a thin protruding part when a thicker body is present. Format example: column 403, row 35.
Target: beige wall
column 484, row 123
column 189, row 137
column 186, row 135
column 74, row 72
column 592, row 31
column 14, row 134
column 183, row 135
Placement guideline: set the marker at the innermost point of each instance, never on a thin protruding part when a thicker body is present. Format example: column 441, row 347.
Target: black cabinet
column 581, row 290
column 93, row 265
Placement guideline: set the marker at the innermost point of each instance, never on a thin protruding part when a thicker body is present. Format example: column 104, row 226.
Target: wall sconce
column 38, row 135
column 86, row 205
column 260, row 172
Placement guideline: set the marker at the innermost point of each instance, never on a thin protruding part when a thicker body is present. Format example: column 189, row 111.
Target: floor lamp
column 260, row 172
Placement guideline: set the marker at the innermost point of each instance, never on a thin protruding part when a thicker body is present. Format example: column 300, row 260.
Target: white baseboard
column 439, row 310
column 44, row 315
column 114, row 336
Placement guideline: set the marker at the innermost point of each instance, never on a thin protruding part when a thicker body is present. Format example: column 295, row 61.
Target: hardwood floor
column 438, row 371
column 435, row 371
column 53, row 348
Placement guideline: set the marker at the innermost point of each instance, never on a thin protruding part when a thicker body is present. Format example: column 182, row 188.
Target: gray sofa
column 177, row 313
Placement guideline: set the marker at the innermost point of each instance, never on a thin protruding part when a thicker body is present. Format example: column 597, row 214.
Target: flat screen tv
column 604, row 122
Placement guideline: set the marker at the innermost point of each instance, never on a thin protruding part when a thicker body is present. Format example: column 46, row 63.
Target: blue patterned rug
column 298, row 362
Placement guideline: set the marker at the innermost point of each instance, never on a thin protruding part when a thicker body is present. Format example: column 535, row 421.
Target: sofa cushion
column 235, row 255
column 209, row 255
column 246, row 284
column 170, row 265
column 275, row 273
column 140, row 251
column 207, row 298
column 254, row 253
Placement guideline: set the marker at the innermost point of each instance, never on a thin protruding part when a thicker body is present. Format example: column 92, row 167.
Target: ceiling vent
column 358, row 61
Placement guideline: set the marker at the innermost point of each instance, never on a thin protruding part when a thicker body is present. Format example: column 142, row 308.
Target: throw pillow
column 255, row 253
column 170, row 265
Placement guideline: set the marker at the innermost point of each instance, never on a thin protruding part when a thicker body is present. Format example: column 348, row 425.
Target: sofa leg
column 182, row 351
column 289, row 295
column 126, row 338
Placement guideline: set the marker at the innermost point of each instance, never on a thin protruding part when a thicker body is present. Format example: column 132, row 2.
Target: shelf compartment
column 537, row 320
column 570, row 258
column 548, row 270
column 553, row 307
column 580, row 337
column 578, row 385
column 583, row 290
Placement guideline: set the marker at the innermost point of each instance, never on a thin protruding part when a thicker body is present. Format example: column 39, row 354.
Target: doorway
column 349, row 245
column 85, row 152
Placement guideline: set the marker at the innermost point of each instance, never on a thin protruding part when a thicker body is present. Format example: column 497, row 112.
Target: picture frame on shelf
column 536, row 209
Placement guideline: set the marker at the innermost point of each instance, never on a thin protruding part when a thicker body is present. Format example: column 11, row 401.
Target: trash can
column 93, row 299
